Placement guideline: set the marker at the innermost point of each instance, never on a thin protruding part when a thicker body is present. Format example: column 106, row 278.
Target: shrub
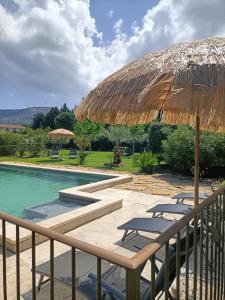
column 179, row 150
column 22, row 145
column 36, row 140
column 212, row 153
column 8, row 143
column 82, row 157
column 146, row 161
column 158, row 132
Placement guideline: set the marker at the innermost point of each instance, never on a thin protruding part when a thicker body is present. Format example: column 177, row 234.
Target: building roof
column 12, row 126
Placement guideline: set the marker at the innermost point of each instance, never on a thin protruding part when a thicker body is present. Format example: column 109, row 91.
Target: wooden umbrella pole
column 197, row 156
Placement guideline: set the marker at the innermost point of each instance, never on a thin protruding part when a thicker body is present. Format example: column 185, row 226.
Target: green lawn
column 95, row 159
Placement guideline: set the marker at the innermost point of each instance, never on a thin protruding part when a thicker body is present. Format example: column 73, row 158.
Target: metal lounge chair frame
column 114, row 293
column 55, row 153
column 73, row 153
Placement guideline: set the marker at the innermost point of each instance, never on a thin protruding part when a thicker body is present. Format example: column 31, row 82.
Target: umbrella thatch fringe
column 178, row 118
column 181, row 81
column 61, row 132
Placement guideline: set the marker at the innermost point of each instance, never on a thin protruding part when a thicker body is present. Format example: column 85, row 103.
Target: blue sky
column 107, row 12
column 56, row 51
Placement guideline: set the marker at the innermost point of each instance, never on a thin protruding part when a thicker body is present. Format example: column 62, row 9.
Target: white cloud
column 118, row 26
column 110, row 13
column 47, row 46
column 172, row 21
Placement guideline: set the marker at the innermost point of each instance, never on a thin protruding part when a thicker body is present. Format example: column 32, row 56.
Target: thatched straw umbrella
column 185, row 82
column 60, row 133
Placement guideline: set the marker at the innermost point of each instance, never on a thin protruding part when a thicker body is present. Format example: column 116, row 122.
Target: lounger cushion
column 147, row 224
column 190, row 195
column 171, row 208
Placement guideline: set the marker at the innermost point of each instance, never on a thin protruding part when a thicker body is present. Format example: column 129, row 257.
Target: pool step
column 78, row 196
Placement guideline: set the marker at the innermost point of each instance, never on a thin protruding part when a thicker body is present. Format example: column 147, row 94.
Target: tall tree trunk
column 117, row 154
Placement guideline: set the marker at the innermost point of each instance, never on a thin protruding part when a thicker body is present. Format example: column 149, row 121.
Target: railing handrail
column 116, row 258
column 70, row 241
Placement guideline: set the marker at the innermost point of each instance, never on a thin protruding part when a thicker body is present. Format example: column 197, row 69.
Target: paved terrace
column 103, row 231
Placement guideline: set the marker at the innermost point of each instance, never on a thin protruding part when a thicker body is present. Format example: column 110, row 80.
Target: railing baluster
column 195, row 268
column 219, row 246
column 51, row 269
column 207, row 253
column 4, row 261
column 201, row 256
column 187, row 264
column 153, row 269
column 133, row 284
column 216, row 251
column 211, row 254
column 223, row 249
column 33, row 254
column 73, row 272
column 166, row 275
column 98, row 282
column 17, row 262
column 178, row 266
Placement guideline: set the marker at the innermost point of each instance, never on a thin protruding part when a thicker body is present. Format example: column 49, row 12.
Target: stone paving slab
column 167, row 184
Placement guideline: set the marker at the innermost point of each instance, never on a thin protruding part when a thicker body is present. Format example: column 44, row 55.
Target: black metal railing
column 191, row 264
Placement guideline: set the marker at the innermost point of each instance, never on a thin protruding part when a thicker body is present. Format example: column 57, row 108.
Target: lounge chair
column 183, row 209
column 62, row 268
column 189, row 196
column 114, row 276
column 55, row 153
column 154, row 225
column 73, row 153
column 160, row 209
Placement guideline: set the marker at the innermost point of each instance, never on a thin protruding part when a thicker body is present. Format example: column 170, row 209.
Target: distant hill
column 21, row 116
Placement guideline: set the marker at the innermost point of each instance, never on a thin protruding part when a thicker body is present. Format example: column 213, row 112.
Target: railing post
column 133, row 284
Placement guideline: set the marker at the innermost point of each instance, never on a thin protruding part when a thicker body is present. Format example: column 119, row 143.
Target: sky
column 56, row 51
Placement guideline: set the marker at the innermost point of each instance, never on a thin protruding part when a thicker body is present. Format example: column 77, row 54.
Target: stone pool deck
column 144, row 192
column 166, row 184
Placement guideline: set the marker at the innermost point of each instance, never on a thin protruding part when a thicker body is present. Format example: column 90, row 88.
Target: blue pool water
column 22, row 187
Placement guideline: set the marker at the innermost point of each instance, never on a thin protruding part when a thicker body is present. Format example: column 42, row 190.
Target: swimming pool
column 22, row 187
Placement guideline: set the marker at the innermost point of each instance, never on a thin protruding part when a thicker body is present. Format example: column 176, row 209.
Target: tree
column 65, row 120
column 86, row 132
column 64, row 108
column 35, row 140
column 50, row 117
column 82, row 142
column 117, row 135
column 38, row 121
column 158, row 132
column 137, row 135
